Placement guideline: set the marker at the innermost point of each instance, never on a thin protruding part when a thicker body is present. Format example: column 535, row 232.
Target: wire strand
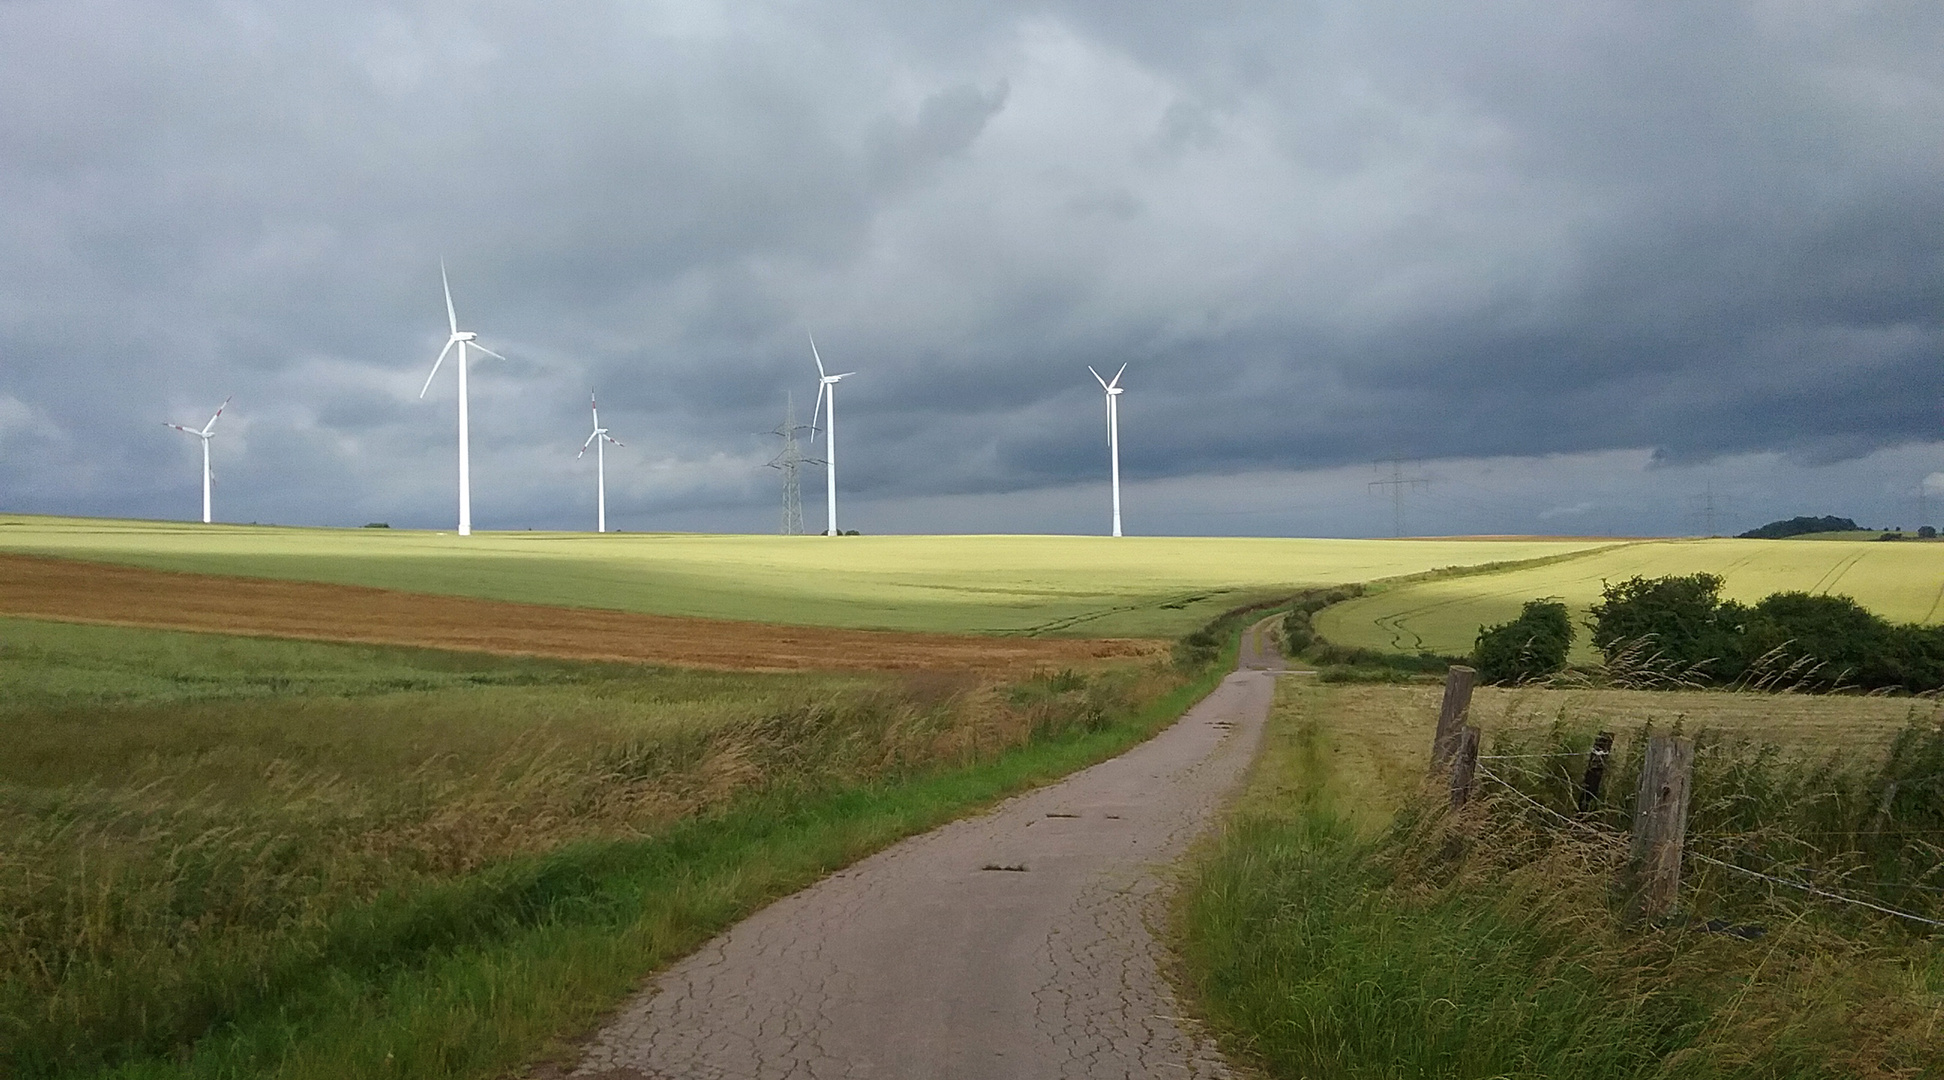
column 1511, row 757
column 1544, row 809
column 1814, row 891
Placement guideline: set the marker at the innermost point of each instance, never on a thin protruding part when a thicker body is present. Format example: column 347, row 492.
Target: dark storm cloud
column 1318, row 234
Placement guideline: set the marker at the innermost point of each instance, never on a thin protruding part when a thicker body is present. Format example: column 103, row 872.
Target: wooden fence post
column 1451, row 715
column 1464, row 764
column 1660, row 825
column 1595, row 774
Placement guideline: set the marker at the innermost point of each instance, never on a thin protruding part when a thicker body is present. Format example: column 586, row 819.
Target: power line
column 1398, row 483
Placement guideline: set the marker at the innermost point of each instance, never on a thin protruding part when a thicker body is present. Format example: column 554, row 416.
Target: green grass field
column 1903, row 582
column 1082, row 586
column 225, row 856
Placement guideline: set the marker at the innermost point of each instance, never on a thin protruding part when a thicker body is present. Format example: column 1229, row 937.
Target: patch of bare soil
column 74, row 591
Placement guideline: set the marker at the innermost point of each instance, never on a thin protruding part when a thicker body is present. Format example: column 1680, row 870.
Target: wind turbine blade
column 585, row 445
column 451, row 316
column 594, row 407
column 814, row 355
column 817, row 411
column 1117, row 376
column 179, row 427
column 211, row 426
column 1097, row 378
column 486, row 350
column 450, row 342
column 613, row 440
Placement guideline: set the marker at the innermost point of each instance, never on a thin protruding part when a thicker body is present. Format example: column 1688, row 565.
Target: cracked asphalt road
column 1013, row 944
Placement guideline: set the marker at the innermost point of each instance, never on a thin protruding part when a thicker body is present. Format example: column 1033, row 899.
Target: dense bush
column 1832, row 642
column 1679, row 629
column 1529, row 647
column 1683, row 617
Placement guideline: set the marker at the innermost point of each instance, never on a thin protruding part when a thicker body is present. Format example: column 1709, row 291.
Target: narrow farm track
column 1016, row 944
column 73, row 591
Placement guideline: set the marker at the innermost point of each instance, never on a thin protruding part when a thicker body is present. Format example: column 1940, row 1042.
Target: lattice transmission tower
column 790, row 462
column 1398, row 484
column 1706, row 509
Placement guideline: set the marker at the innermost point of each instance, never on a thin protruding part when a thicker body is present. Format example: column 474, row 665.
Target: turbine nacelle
column 208, row 430
column 600, row 432
column 1112, row 386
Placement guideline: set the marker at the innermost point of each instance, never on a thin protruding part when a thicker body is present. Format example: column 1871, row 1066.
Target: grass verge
column 1341, row 927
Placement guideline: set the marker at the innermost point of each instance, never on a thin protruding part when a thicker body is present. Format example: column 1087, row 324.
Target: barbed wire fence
column 1657, row 842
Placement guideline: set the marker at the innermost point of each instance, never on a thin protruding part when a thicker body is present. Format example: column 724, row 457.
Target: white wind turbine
column 461, row 338
column 599, row 441
column 208, row 431
column 1114, row 391
column 827, row 392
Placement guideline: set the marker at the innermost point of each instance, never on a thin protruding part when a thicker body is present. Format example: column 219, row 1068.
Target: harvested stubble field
column 1059, row 586
column 1903, row 582
column 133, row 596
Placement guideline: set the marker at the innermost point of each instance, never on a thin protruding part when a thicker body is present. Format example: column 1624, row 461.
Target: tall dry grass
column 1494, row 942
column 180, row 850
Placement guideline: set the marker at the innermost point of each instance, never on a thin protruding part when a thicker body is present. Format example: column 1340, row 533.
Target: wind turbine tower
column 790, row 462
column 205, row 434
column 598, row 441
column 827, row 393
column 1114, row 391
column 461, row 338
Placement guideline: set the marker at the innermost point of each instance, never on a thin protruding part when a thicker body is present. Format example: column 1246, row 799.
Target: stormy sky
column 1586, row 268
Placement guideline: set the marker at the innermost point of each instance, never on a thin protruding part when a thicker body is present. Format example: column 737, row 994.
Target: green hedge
column 1680, row 626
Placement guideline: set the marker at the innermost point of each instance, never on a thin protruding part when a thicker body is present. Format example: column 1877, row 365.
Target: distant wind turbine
column 208, row 431
column 461, row 338
column 1114, row 391
column 599, row 441
column 827, row 392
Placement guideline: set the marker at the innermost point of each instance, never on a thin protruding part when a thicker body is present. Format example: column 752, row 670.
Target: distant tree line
column 1800, row 526
column 1678, row 631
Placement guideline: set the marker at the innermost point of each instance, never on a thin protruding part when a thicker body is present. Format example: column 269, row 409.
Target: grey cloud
column 1318, row 234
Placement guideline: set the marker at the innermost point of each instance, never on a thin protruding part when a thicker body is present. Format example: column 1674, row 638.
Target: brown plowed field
column 92, row 592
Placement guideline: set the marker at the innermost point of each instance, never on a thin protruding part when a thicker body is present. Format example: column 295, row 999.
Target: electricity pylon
column 789, row 462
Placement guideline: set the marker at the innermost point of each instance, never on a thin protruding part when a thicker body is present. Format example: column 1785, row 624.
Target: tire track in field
column 1841, row 569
